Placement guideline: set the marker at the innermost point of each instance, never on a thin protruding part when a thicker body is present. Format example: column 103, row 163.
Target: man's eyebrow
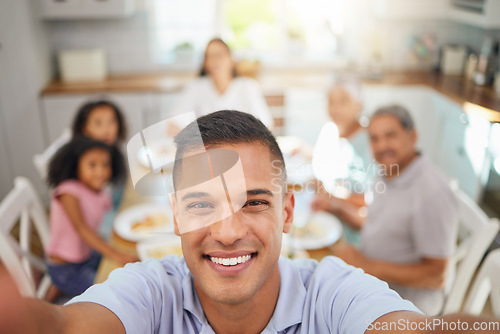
column 194, row 195
column 260, row 192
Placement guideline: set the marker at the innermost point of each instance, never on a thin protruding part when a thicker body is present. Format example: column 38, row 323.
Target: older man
column 231, row 279
column 409, row 232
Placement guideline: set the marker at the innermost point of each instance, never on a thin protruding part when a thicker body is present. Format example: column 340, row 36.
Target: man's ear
column 414, row 136
column 288, row 205
column 173, row 202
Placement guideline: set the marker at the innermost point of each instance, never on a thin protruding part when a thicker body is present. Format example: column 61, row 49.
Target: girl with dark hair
column 219, row 87
column 100, row 120
column 79, row 171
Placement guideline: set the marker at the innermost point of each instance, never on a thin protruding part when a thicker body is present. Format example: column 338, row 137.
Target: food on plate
column 311, row 229
column 150, row 222
column 161, row 251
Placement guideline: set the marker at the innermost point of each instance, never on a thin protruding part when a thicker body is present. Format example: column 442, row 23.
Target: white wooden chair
column 487, row 283
column 475, row 233
column 22, row 205
column 41, row 160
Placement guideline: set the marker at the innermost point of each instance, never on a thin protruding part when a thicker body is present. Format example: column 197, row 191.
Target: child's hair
column 64, row 164
column 82, row 116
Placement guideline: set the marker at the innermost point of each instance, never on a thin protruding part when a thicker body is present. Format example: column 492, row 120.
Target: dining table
column 131, row 199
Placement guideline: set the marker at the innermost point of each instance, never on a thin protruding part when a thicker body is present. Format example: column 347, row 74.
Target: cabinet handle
column 463, row 118
column 461, row 151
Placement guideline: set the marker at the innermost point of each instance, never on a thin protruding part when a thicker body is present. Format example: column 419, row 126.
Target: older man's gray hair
column 398, row 111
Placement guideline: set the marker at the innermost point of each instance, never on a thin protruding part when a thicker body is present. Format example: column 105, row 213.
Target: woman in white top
column 219, row 88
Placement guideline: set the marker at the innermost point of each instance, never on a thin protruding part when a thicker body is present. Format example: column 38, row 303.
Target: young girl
column 100, row 120
column 79, row 171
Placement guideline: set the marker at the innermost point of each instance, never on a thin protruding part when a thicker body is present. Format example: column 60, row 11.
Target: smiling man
column 231, row 279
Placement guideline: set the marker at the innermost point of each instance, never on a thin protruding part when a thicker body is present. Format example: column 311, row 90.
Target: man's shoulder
column 170, row 265
column 330, row 270
column 431, row 177
column 170, row 270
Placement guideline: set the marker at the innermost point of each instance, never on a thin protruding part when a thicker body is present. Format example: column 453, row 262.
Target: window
column 267, row 30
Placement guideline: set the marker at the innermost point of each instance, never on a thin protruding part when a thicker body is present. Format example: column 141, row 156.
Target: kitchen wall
column 24, row 71
column 367, row 42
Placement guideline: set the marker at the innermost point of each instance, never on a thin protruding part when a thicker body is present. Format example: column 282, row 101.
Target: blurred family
column 410, row 230
column 231, row 279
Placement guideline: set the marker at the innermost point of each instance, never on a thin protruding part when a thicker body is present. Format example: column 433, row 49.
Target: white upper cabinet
column 408, row 10
column 86, row 9
column 481, row 13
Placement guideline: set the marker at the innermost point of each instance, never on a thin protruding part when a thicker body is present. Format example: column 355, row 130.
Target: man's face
column 392, row 145
column 232, row 258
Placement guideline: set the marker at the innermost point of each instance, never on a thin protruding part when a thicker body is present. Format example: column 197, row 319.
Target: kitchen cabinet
column 483, row 13
column 407, row 10
column 85, row 9
column 160, row 108
column 59, row 110
column 305, row 113
column 463, row 147
column 24, row 70
column 6, row 175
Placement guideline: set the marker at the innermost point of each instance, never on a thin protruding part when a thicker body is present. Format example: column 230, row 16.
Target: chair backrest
column 476, row 231
column 21, row 205
column 42, row 160
column 487, row 283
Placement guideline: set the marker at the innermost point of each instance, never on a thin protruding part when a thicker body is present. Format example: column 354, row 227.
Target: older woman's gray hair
column 398, row 111
column 350, row 82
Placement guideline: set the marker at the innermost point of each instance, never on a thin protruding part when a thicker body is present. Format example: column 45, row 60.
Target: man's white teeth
column 232, row 261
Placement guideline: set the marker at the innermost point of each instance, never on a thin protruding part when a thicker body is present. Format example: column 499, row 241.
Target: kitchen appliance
column 487, row 62
column 82, row 65
column 471, row 66
column 453, row 59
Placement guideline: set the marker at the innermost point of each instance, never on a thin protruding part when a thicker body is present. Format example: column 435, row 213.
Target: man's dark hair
column 83, row 113
column 226, row 127
column 64, row 165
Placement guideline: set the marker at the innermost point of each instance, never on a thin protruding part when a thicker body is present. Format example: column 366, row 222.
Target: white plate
column 290, row 253
column 322, row 229
column 162, row 153
column 159, row 247
column 124, row 223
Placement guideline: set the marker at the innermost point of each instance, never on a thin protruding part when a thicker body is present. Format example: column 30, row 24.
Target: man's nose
column 229, row 230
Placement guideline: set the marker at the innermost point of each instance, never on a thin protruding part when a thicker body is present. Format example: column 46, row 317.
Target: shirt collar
column 408, row 174
column 191, row 303
column 290, row 307
column 288, row 311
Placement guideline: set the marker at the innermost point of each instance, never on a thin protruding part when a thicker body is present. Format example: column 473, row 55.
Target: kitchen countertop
column 478, row 99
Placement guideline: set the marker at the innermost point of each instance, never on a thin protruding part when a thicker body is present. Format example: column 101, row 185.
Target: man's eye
column 256, row 206
column 200, row 208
